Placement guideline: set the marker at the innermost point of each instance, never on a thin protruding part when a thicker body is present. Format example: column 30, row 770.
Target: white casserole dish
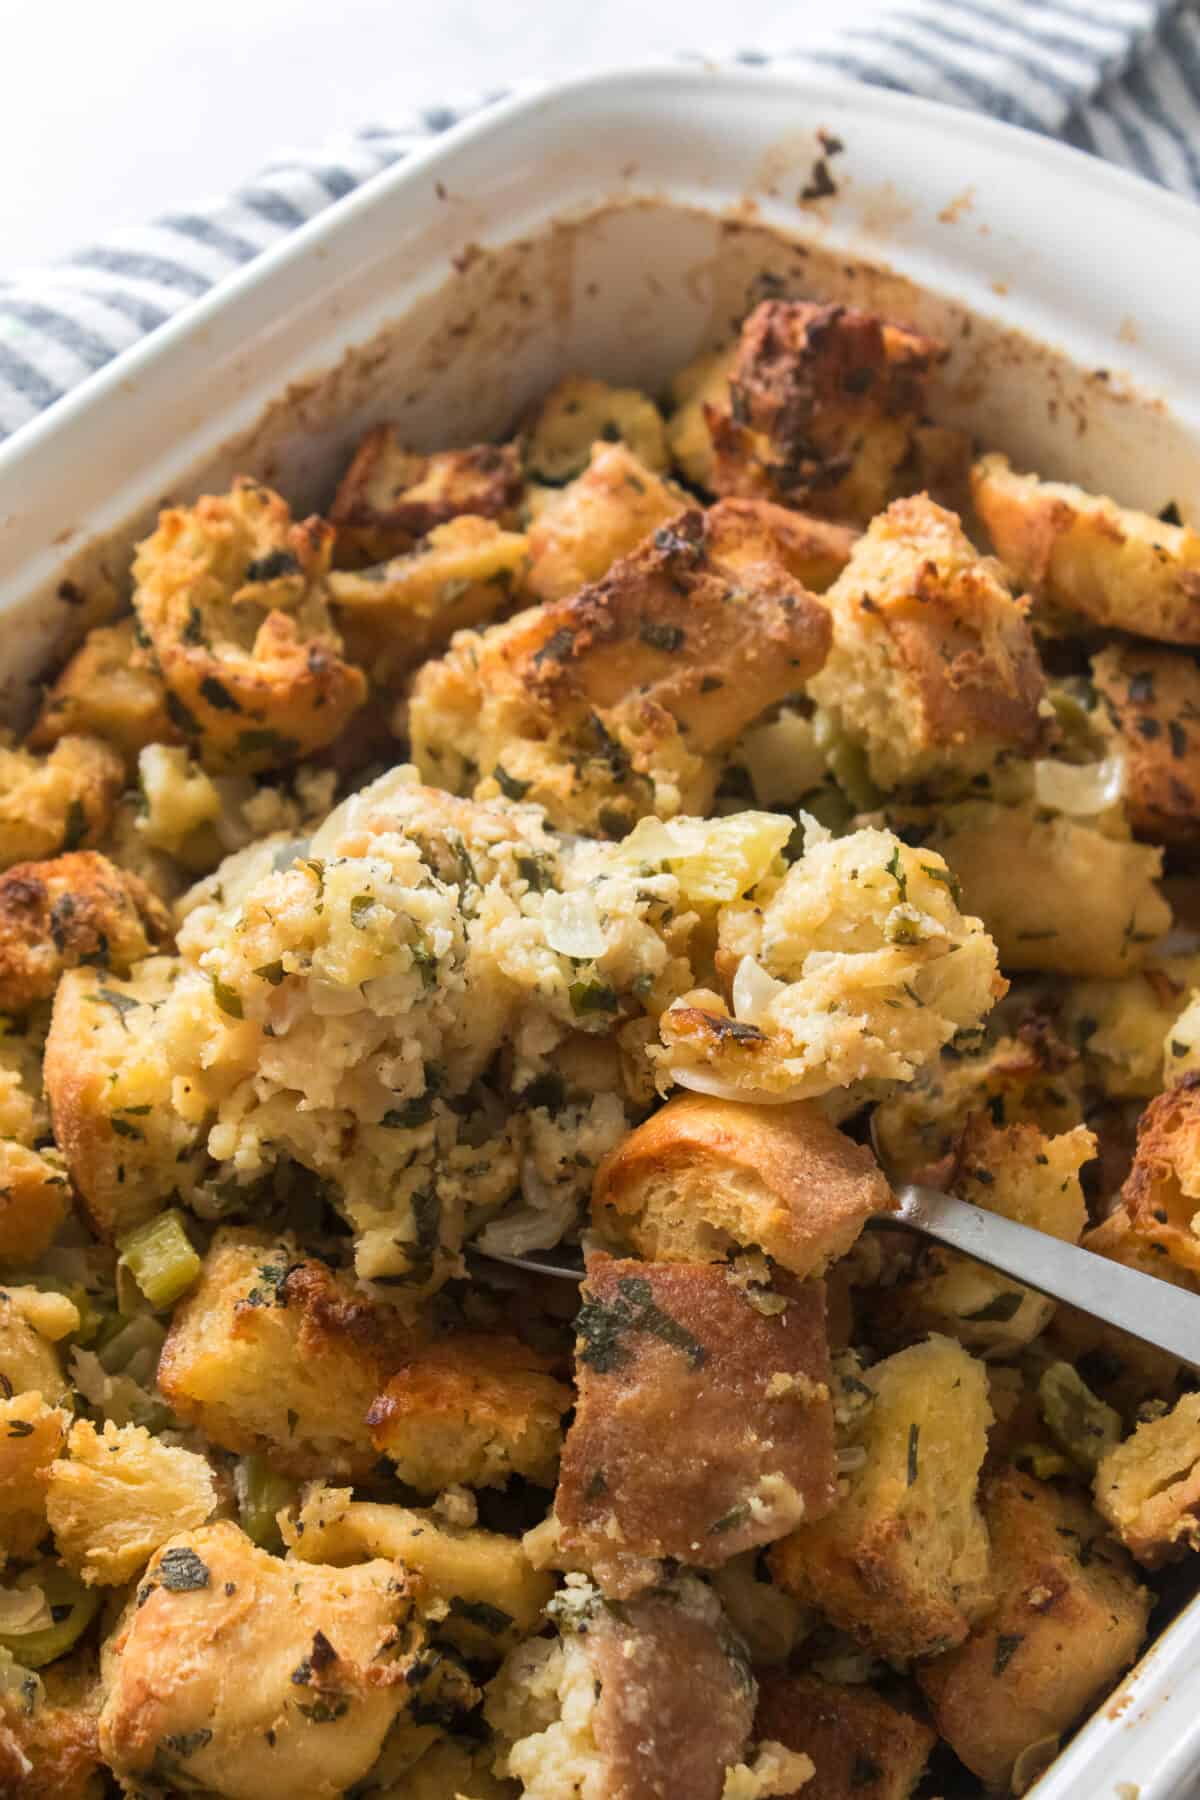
column 614, row 226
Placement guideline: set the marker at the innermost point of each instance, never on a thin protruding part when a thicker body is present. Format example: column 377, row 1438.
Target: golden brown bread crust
column 31, row 1436
column 1162, row 1193
column 814, row 550
column 602, row 515
column 703, row 1177
column 102, row 693
column 823, row 404
column 862, row 1747
column 53, row 1752
column 1084, row 554
column 471, row 1409
column 33, row 1202
column 1148, row 1488
column 64, row 801
column 703, row 1425
column 231, row 595
column 613, row 704
column 390, row 497
column 77, row 908
column 1153, row 697
column 658, row 1735
column 1070, row 1618
column 272, row 1351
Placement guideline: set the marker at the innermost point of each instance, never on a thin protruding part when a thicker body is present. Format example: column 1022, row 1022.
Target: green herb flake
column 737, row 1515
column 1005, row 1306
column 76, row 828
column 218, row 695
column 181, row 1571
column 667, row 638
column 488, row 1618
column 227, row 998
column 360, row 911
column 186, row 1743
column 262, row 741
column 914, row 1439
column 601, row 1324
column 592, row 997
column 509, row 786
column 414, row 1112
column 125, row 1129
column 1007, row 1645
column 273, row 972
column 895, row 869
column 120, row 1003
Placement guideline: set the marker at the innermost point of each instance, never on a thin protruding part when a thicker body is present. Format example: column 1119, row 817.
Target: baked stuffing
column 654, row 834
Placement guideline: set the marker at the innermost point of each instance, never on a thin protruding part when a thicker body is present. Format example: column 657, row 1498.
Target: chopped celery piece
column 160, row 1257
column 72, row 1609
column 1078, row 1422
column 261, row 1493
column 1043, row 1461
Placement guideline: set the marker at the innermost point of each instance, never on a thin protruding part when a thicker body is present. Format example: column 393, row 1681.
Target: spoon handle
column 1155, row 1311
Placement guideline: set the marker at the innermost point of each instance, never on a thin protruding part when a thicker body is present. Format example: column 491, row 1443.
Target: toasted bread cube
column 580, row 413
column 1148, row 1487
column 31, row 1436
column 703, row 1177
column 603, row 1708
column 233, row 598
column 1020, row 1173
column 933, row 670
column 274, row 1352
column 473, row 1410
column 395, row 614
column 672, row 1356
column 1056, row 893
column 77, row 908
column 1088, row 556
column 110, row 1075
column 34, row 1191
column 117, row 1494
column 390, row 497
column 1162, row 1193
column 821, row 410
column 700, row 391
column 63, row 801
column 243, row 1675
column 483, row 1584
column 618, row 703
column 103, row 693
column 1120, row 1026
column 51, row 1751
column 902, row 1562
column 1153, row 697
column 602, row 515
column 862, row 1747
column 814, row 550
column 1069, row 1619
column 857, row 965
column 1030, row 1079
column 1181, row 1049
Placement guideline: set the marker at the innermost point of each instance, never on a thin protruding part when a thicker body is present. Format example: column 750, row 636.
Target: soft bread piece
column 580, row 412
column 1153, row 697
column 64, row 801
column 933, row 670
column 102, row 693
column 703, row 1425
column 1148, row 1488
column 703, row 1177
column 115, row 1495
column 232, row 597
column 471, row 1409
column 76, row 908
column 1162, row 1194
column 273, row 1351
column 1085, row 554
column 862, row 1746
column 600, row 516
column 618, row 702
column 31, row 1436
column 34, row 1190
column 1069, row 1619
column 52, row 1750
column 823, row 405
column 256, row 1679
column 390, row 496
column 902, row 1562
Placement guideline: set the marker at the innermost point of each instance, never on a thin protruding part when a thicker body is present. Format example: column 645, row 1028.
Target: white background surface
column 114, row 112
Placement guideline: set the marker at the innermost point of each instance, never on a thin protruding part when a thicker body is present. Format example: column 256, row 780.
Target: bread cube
column 117, row 1494
column 703, row 1177
column 1148, row 1487
column 703, row 1425
column 1162, row 1193
column 862, row 1746
column 52, row 1750
column 700, row 392
column 822, row 407
column 473, row 1410
column 1153, row 697
column 275, row 1352
column 1069, row 1619
column 603, row 1709
column 814, row 550
column 31, row 1436
column 103, row 693
column 902, row 1561
column 34, row 1191
column 933, row 671
column 63, row 801
column 1020, row 1173
column 603, row 514
column 618, row 702
column 578, row 414
column 1081, row 552
column 480, row 1585
column 243, row 1675
column 1120, row 1026
column 395, row 614
column 232, row 598
column 76, row 908
column 1057, row 893
column 391, row 497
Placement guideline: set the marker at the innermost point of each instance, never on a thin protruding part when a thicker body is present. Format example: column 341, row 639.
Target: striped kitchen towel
column 1119, row 78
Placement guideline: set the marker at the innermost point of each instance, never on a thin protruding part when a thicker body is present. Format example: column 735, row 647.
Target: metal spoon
column 1154, row 1311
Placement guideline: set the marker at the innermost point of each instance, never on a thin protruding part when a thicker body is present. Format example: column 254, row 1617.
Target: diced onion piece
column 1081, row 789
column 22, row 1610
column 572, row 926
column 714, row 860
column 753, row 992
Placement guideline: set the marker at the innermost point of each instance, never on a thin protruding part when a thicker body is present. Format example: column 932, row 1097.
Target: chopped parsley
column 601, row 1325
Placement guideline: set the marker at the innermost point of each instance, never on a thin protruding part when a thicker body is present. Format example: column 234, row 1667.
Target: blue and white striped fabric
column 1119, row 78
